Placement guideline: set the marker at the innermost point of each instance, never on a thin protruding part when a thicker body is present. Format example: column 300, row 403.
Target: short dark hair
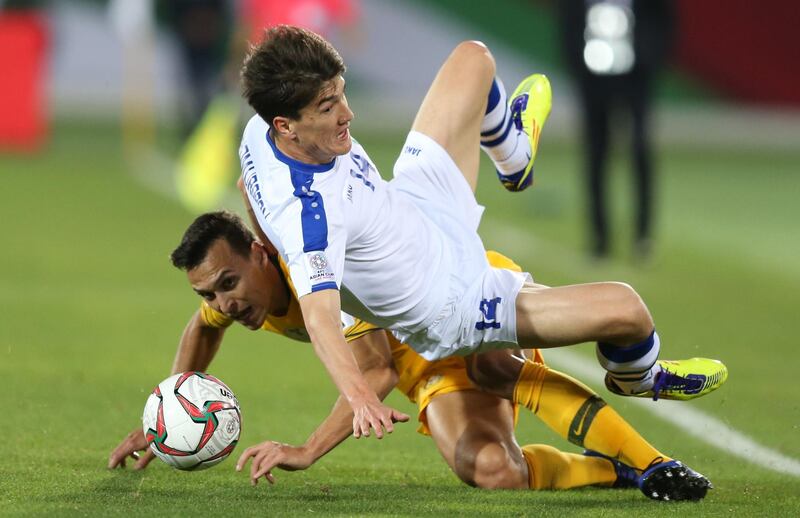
column 287, row 70
column 204, row 231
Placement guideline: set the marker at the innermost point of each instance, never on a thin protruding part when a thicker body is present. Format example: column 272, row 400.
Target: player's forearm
column 198, row 346
column 322, row 315
column 338, row 426
column 332, row 349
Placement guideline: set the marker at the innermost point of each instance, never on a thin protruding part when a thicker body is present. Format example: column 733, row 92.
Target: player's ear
column 283, row 126
column 267, row 248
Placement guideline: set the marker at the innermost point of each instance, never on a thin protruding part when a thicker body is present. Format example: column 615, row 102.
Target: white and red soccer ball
column 192, row 421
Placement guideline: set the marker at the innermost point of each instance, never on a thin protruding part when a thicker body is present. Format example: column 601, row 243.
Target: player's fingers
column 117, row 458
column 399, row 417
column 377, row 426
column 243, row 458
column 119, row 453
column 262, row 465
column 261, row 461
column 263, row 472
column 144, row 459
column 356, row 428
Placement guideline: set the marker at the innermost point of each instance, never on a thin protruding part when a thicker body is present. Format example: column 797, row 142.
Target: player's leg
column 474, row 432
column 609, row 313
column 613, row 315
column 467, row 107
column 454, row 107
column 566, row 405
column 577, row 414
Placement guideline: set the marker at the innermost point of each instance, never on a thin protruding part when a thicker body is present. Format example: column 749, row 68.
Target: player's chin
column 343, row 142
column 254, row 320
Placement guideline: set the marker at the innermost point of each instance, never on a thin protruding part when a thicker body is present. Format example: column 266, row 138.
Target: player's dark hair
column 204, row 231
column 287, row 70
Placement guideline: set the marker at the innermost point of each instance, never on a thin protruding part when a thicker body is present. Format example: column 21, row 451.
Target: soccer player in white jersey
column 405, row 254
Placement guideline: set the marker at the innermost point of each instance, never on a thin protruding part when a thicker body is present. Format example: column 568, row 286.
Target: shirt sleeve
column 313, row 235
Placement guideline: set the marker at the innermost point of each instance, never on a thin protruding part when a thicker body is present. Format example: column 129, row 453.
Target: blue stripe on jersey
column 312, row 216
column 324, row 286
column 296, row 164
column 500, row 139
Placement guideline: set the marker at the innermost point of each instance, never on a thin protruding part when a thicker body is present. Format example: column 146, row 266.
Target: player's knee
column 632, row 318
column 475, row 54
column 496, row 469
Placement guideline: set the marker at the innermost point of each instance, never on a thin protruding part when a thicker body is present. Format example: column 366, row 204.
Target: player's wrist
column 309, row 454
column 361, row 395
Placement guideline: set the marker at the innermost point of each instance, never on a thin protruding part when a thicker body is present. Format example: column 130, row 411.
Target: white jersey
column 341, row 226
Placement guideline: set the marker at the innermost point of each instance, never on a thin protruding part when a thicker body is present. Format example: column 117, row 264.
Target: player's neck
column 295, row 151
column 279, row 305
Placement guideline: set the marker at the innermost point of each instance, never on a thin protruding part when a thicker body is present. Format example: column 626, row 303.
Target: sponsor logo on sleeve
column 488, row 309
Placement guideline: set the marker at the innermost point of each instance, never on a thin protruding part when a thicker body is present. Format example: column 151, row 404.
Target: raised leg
column 453, row 109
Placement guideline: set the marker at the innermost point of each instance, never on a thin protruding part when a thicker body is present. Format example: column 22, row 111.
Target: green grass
column 91, row 311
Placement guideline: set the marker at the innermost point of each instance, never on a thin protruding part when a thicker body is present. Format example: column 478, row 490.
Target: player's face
column 242, row 288
column 323, row 130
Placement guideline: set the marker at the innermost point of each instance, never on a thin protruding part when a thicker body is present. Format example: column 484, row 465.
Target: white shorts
column 480, row 312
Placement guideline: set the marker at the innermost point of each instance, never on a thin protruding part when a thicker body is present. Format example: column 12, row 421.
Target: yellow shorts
column 421, row 380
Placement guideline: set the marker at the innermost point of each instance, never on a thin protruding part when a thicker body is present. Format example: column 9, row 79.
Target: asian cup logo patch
column 318, row 261
column 319, row 268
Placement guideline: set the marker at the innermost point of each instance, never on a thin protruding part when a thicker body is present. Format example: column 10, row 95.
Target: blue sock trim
column 495, row 129
column 494, row 96
column 499, row 140
column 618, row 354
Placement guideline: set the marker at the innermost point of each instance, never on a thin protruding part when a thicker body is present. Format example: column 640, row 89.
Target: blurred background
column 671, row 161
column 632, row 80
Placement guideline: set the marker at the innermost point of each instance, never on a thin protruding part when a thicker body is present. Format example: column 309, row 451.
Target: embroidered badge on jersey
column 319, row 268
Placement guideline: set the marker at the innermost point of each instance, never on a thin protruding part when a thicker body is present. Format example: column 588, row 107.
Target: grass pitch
column 91, row 312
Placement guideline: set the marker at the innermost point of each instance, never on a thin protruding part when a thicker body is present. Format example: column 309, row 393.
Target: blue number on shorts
column 488, row 308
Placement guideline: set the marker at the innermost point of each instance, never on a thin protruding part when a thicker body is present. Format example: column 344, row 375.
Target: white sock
column 508, row 147
column 633, row 368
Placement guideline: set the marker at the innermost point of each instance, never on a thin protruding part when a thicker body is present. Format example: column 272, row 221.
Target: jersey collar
column 296, row 164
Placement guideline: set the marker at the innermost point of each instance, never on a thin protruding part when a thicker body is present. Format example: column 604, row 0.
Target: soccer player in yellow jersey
column 242, row 280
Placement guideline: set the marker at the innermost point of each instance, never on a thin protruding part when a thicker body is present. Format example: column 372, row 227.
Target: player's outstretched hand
column 377, row 416
column 271, row 454
column 130, row 447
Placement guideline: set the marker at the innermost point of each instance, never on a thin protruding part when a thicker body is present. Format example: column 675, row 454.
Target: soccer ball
column 192, row 421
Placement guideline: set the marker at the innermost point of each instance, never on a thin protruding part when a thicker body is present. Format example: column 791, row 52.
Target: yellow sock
column 549, row 468
column 576, row 413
